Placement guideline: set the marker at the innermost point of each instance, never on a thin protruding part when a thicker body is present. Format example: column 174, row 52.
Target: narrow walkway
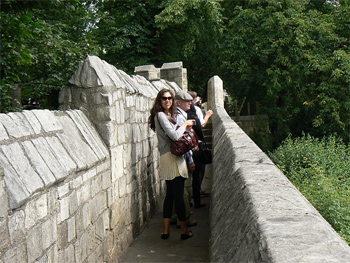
column 149, row 247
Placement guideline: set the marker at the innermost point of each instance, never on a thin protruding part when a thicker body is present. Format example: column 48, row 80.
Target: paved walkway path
column 149, row 247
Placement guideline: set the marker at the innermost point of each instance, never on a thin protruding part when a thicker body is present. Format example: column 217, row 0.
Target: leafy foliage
column 40, row 48
column 126, row 33
column 192, row 31
column 291, row 56
column 294, row 59
column 319, row 168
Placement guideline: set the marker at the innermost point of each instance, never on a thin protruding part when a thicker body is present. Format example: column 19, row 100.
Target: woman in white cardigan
column 173, row 169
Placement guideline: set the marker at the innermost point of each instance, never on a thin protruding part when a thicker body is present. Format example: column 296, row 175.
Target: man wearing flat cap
column 183, row 103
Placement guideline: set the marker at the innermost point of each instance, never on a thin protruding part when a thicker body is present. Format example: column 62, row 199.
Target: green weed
column 320, row 169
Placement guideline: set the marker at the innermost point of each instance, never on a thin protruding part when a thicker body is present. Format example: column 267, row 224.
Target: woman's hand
column 189, row 123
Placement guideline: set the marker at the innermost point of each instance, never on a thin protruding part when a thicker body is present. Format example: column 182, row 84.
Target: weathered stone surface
column 259, row 216
column 34, row 243
column 21, row 165
column 76, row 146
column 150, row 72
column 36, row 210
column 4, row 234
column 16, row 254
column 61, row 154
column 49, row 232
column 21, row 122
column 89, row 133
column 50, row 159
column 41, row 167
column 3, row 133
column 47, row 120
column 4, row 206
column 63, row 184
column 16, row 227
column 10, row 127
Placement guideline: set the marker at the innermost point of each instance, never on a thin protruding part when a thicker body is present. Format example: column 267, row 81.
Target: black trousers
column 196, row 181
column 174, row 194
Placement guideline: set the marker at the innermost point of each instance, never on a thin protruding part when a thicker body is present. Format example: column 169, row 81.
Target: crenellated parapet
column 79, row 184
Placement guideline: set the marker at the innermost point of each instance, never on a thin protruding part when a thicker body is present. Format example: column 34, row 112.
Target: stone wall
column 257, row 215
column 54, row 188
column 79, row 184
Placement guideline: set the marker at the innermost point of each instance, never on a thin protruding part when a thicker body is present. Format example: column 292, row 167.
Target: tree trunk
column 16, row 95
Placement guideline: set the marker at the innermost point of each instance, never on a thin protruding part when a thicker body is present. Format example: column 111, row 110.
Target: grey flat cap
column 182, row 95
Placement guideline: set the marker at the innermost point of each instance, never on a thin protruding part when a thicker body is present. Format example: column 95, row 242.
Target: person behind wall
column 173, row 169
column 197, row 176
column 183, row 102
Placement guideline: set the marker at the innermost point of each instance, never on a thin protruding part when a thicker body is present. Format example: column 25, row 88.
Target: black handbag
column 206, row 153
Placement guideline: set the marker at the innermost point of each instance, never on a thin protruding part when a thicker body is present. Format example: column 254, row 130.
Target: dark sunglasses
column 167, row 98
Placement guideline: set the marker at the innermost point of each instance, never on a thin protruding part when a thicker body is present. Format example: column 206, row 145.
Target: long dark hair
column 157, row 107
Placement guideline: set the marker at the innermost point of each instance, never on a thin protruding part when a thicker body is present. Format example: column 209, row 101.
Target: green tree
column 41, row 43
column 192, row 32
column 127, row 34
column 293, row 57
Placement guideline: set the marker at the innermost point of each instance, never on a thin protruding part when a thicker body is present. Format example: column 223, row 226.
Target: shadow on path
column 149, row 247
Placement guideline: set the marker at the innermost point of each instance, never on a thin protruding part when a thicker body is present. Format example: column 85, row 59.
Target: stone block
column 122, row 186
column 106, row 180
column 102, row 98
column 47, row 120
column 105, row 113
column 121, row 135
column 75, row 143
column 64, row 208
column 115, row 215
column 63, row 190
column 77, row 150
column 52, row 254
column 34, row 243
column 3, row 133
column 150, row 72
column 67, row 255
column 10, row 127
column 84, row 193
column 120, row 111
column 71, row 229
column 49, row 232
column 50, row 159
column 16, row 254
column 62, row 235
column 108, row 131
column 61, row 154
column 89, row 133
column 103, row 167
column 4, row 206
column 82, row 220
column 5, row 235
column 36, row 210
column 22, row 166
column 89, row 174
column 100, row 228
column 21, row 122
column 16, row 227
column 40, row 166
column 96, row 185
column 117, row 165
column 97, row 205
column 73, row 202
column 76, row 182
column 65, row 96
column 82, row 248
